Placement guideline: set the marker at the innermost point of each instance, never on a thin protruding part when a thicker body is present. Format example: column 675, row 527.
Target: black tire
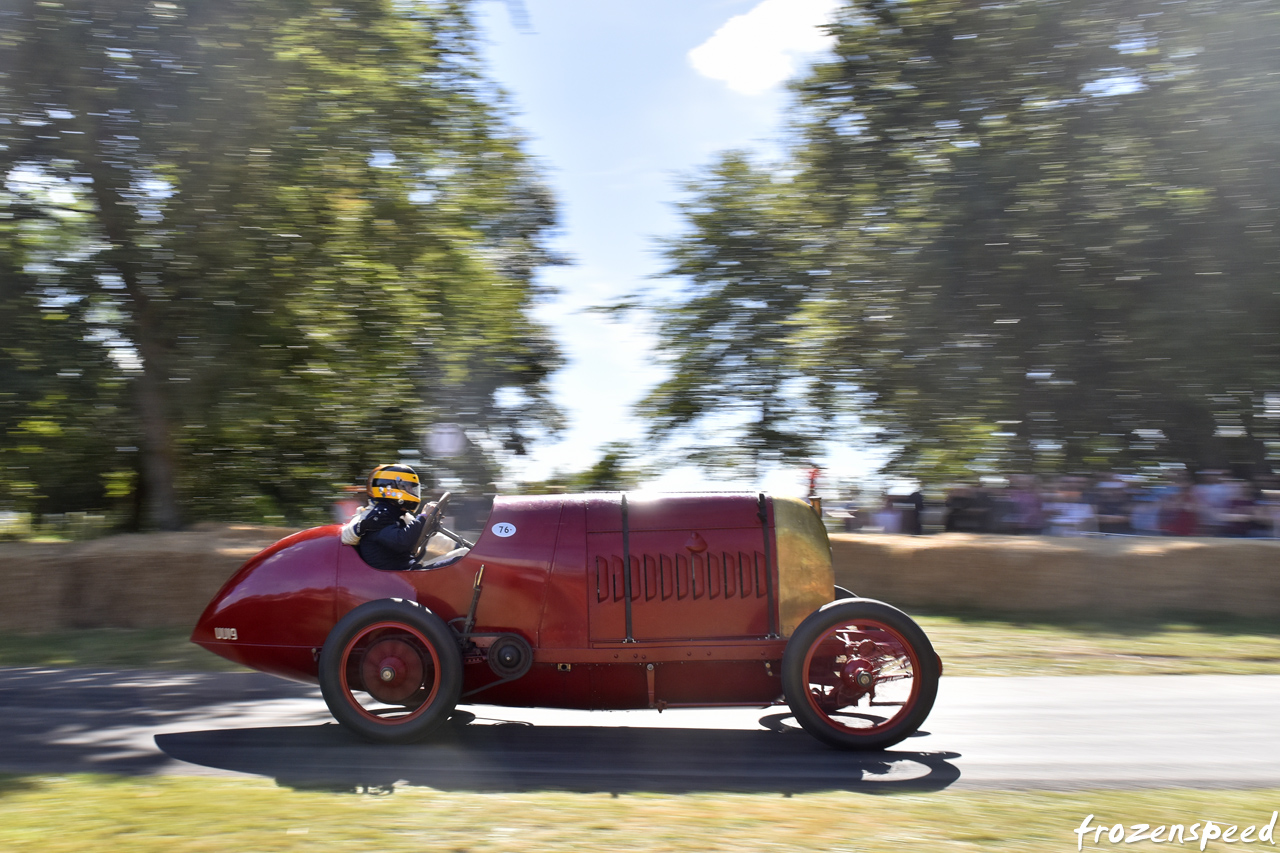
column 415, row 671
column 825, row 693
column 842, row 593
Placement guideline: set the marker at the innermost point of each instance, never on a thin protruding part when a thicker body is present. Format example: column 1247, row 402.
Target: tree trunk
column 114, row 214
column 157, row 444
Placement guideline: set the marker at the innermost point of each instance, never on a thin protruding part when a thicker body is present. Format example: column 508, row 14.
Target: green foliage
column 274, row 240
column 737, row 363
column 1027, row 236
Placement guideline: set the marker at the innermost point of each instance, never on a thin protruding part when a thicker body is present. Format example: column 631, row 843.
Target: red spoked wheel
column 391, row 671
column 860, row 674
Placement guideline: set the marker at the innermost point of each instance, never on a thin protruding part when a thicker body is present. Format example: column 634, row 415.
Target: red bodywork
column 702, row 585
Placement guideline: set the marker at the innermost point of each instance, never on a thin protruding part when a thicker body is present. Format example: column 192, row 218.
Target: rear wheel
column 391, row 671
column 859, row 674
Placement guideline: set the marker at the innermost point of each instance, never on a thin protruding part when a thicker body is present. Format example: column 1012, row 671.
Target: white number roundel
column 503, row 529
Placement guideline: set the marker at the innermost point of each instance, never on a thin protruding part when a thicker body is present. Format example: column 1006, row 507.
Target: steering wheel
column 430, row 526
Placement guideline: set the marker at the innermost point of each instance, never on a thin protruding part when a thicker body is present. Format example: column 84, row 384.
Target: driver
column 386, row 532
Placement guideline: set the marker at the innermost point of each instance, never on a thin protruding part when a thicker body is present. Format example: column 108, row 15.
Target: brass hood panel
column 805, row 576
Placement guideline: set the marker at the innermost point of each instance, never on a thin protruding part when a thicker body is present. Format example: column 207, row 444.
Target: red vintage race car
column 596, row 601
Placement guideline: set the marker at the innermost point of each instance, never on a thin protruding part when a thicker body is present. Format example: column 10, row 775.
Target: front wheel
column 391, row 671
column 860, row 674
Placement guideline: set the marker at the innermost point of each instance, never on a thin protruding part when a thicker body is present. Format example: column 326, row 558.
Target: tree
column 1038, row 235
column 306, row 231
column 734, row 356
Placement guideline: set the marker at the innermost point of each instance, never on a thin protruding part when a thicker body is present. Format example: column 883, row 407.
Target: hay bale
column 166, row 579
column 1086, row 575
column 133, row 580
column 33, row 586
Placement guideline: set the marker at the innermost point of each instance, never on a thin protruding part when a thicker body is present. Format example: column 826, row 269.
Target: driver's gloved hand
column 406, row 519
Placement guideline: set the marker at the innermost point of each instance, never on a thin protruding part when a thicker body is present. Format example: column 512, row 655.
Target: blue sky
column 620, row 100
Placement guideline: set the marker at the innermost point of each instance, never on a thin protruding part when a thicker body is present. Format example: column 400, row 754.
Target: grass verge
column 986, row 645
column 112, row 648
column 969, row 645
column 187, row 815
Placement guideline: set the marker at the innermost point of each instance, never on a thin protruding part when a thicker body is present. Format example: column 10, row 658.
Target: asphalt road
column 1052, row 733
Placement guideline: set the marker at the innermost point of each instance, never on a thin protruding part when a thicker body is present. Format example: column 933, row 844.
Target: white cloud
column 756, row 51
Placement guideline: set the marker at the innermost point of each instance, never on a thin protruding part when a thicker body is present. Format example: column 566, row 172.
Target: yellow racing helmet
column 398, row 483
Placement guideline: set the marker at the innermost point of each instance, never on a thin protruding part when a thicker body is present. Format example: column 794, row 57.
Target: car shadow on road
column 518, row 757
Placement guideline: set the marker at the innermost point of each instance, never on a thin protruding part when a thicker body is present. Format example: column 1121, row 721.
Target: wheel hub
column 858, row 676
column 392, row 671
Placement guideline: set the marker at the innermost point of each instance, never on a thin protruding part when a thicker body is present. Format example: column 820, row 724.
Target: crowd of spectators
column 1212, row 503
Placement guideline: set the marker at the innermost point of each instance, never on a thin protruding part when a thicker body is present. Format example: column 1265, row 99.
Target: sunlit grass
column 190, row 815
column 990, row 646
column 968, row 646
column 112, row 648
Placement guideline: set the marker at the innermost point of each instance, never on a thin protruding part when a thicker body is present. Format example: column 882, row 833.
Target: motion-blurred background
column 248, row 250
